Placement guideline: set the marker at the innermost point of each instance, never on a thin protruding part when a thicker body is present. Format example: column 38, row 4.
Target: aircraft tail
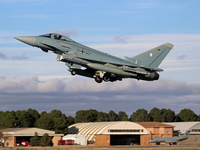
column 152, row 58
column 186, row 135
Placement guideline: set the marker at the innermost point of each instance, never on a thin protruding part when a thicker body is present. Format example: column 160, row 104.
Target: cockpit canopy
column 57, row 37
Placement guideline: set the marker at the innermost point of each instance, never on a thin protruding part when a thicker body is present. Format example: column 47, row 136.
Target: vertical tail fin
column 187, row 133
column 153, row 58
column 185, row 136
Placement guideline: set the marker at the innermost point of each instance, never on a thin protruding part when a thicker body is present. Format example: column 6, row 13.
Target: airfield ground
column 91, row 147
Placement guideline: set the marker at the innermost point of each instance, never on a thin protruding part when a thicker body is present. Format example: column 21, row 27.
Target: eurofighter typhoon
column 171, row 140
column 98, row 65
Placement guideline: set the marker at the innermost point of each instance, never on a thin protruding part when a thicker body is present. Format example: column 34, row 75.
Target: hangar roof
column 112, row 128
column 27, row 132
column 181, row 127
column 154, row 125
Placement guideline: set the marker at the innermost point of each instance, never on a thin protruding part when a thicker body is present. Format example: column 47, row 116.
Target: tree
column 122, row 116
column 60, row 124
column 10, row 120
column 86, row 115
column 45, row 121
column 186, row 115
column 24, row 119
column 112, row 116
column 167, row 115
column 198, row 118
column 34, row 115
column 80, row 116
column 91, row 115
column 35, row 140
column 46, row 140
column 20, row 118
column 141, row 115
column 70, row 120
column 102, row 116
column 3, row 119
column 54, row 120
column 156, row 114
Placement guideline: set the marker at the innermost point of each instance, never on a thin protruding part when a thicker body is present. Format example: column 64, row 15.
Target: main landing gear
column 100, row 76
column 98, row 79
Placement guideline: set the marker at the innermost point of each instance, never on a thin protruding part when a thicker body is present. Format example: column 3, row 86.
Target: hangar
column 120, row 132
column 11, row 135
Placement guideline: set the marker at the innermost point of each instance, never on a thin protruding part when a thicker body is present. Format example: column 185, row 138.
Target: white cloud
column 32, row 84
column 79, row 93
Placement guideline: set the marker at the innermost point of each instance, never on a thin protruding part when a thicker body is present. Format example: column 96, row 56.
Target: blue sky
column 31, row 78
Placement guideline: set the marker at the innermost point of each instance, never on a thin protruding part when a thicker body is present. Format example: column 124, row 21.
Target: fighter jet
column 86, row 61
column 171, row 140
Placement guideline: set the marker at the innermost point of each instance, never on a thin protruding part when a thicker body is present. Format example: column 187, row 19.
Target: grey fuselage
column 170, row 139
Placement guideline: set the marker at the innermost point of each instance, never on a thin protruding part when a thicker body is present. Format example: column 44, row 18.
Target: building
column 158, row 129
column 121, row 132
column 12, row 135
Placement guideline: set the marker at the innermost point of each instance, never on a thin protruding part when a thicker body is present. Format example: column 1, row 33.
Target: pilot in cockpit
column 57, row 37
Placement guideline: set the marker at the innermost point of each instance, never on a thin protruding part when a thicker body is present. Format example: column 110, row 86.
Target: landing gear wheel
column 98, row 79
column 106, row 78
column 73, row 73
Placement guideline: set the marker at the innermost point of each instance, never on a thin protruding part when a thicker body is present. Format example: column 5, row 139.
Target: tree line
column 54, row 120
column 141, row 115
column 45, row 140
column 59, row 122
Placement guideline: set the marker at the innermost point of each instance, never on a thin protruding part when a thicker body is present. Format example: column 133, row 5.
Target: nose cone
column 150, row 141
column 30, row 40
